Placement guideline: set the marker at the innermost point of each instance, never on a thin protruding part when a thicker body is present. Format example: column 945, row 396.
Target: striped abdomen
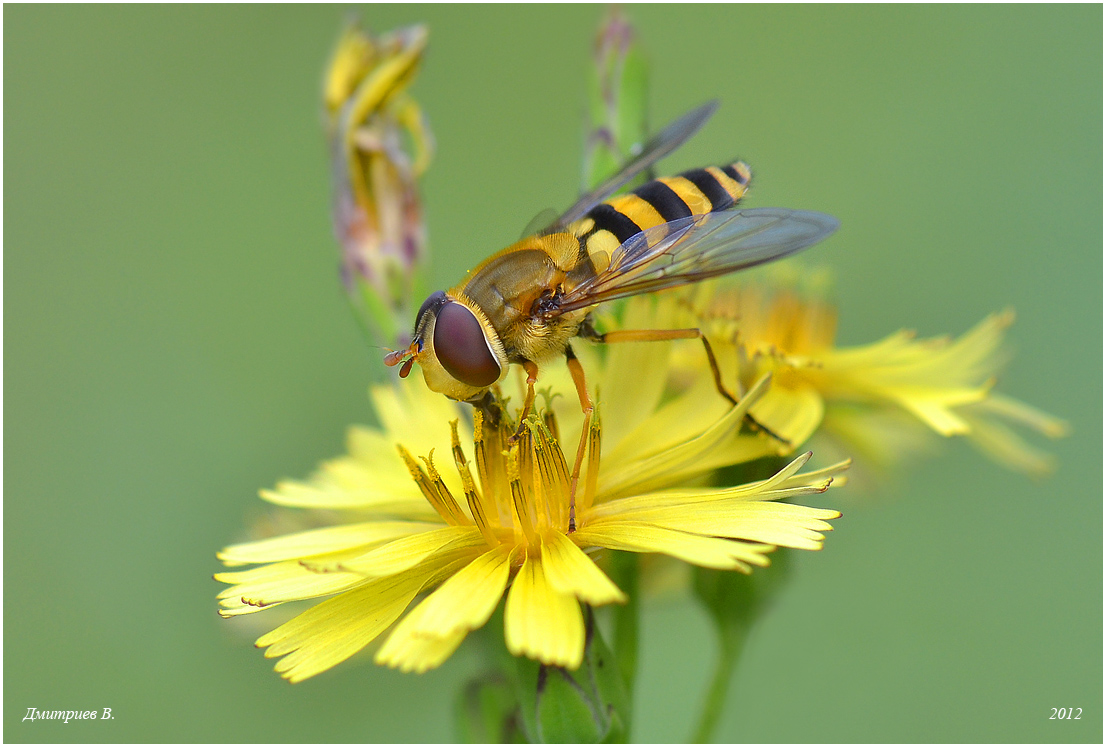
column 694, row 192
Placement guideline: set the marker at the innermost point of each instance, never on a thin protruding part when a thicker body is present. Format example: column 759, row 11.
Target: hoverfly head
column 458, row 349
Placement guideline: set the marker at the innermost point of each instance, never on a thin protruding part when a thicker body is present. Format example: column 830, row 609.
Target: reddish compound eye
column 460, row 345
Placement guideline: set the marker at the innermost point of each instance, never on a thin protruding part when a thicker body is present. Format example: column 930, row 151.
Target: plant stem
column 624, row 572
column 731, row 641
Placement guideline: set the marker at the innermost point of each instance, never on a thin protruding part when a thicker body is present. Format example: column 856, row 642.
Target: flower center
column 522, row 487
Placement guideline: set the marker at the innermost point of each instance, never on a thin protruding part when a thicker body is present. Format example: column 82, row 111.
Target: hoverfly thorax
column 455, row 345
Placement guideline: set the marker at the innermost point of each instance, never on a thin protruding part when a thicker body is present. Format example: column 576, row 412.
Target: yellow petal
column 466, row 600
column 755, row 521
column 792, row 413
column 407, row 552
column 896, row 348
column 374, row 452
column 541, row 622
column 643, row 363
column 320, row 541
column 1006, row 447
column 709, row 552
column 788, row 477
column 924, row 376
column 385, row 497
column 878, row 436
column 418, row 653
column 677, row 421
column 418, row 413
column 658, row 469
column 1011, row 409
column 334, row 630
column 274, row 584
column 422, row 416
column 570, row 571
column 933, row 406
column 433, row 630
column 796, row 479
column 976, row 355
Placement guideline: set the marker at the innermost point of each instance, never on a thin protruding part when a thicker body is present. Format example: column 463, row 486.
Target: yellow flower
column 499, row 518
column 878, row 399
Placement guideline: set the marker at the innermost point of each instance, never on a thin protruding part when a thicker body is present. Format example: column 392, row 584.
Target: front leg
column 489, row 405
column 588, row 407
column 531, row 369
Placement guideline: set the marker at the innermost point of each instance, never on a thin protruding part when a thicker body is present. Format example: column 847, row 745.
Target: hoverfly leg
column 715, row 371
column 488, row 404
column 588, row 331
column 653, row 335
column 649, row 335
column 756, row 424
column 531, row 378
column 759, row 426
column 588, row 407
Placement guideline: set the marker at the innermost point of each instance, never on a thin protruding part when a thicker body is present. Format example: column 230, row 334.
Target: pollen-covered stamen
column 545, row 495
column 526, row 465
column 550, row 420
column 434, row 490
column 442, row 490
column 523, row 517
column 548, row 416
column 476, row 506
column 554, row 477
column 488, row 442
column 585, row 501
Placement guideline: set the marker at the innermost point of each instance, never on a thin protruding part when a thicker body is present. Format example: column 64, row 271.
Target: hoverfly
column 524, row 304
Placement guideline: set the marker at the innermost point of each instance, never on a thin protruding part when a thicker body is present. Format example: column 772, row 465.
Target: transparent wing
column 539, row 222
column 663, row 143
column 704, row 246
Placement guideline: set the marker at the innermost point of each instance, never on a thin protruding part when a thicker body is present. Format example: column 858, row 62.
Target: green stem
column 624, row 573
column 731, row 641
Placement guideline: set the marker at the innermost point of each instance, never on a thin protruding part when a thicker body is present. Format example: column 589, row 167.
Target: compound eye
column 460, row 345
column 436, row 299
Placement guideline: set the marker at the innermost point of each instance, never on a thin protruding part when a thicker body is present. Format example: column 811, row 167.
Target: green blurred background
column 176, row 338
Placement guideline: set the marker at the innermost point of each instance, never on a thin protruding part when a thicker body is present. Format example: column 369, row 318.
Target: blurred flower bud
column 617, row 98
column 379, row 146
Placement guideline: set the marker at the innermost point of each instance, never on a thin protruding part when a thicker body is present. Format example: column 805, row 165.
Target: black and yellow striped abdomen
column 694, row 192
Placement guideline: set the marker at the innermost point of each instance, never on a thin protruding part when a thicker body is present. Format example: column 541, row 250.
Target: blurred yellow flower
column 463, row 539
column 878, row 399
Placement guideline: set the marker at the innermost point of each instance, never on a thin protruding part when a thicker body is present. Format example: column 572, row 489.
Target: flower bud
column 379, row 146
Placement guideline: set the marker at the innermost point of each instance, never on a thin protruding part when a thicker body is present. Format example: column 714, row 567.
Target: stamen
column 439, row 498
column 488, row 447
column 524, row 519
column 555, row 478
column 545, row 494
column 476, row 506
column 526, row 468
column 447, row 499
column 594, row 448
column 550, row 419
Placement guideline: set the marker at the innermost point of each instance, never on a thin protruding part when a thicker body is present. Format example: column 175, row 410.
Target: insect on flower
column 524, row 304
